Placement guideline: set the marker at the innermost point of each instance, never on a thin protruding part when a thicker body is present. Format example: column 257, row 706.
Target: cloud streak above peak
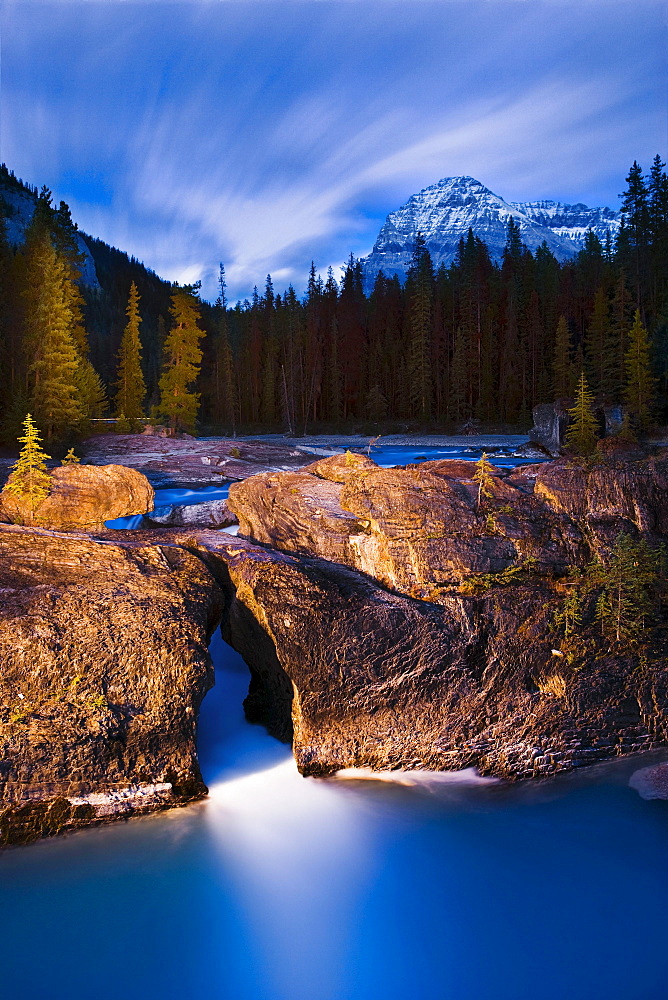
column 266, row 135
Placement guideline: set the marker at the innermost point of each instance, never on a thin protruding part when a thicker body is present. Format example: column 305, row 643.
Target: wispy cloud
column 267, row 134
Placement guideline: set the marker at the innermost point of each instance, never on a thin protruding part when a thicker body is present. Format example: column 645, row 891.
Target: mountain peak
column 445, row 211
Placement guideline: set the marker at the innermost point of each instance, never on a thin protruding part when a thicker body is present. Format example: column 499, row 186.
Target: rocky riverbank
column 104, row 664
column 391, row 618
column 189, row 461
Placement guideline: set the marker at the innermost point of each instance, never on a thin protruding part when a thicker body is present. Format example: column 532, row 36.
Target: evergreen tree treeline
column 475, row 340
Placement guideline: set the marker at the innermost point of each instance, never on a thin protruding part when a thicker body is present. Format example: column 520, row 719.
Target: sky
column 265, row 135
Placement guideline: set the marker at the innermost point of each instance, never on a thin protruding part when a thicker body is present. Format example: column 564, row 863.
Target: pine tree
column 225, row 404
column 178, row 401
column 71, row 458
column 54, row 359
column 29, row 478
column 91, row 392
column 456, row 402
column 483, row 477
column 640, row 387
column 581, row 433
column 600, row 348
column 635, row 206
column 421, row 280
column 620, row 321
column 562, row 366
column 629, row 580
column 658, row 231
column 130, row 385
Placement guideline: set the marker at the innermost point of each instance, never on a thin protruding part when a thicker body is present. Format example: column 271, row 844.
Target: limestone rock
column 550, row 421
column 369, row 678
column 608, row 497
column 210, row 514
column 83, row 497
column 414, row 529
column 104, row 663
column 651, row 782
column 190, row 461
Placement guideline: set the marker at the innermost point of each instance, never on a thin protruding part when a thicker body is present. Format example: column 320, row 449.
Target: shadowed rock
column 211, row 514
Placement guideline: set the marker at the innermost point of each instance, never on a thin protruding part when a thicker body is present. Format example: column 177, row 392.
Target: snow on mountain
column 572, row 221
column 444, row 212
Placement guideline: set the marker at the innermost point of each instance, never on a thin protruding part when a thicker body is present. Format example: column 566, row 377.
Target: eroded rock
column 210, row 514
column 82, row 498
column 191, row 461
column 376, row 679
column 415, row 529
column 104, row 663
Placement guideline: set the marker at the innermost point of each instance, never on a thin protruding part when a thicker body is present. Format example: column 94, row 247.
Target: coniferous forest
column 476, row 341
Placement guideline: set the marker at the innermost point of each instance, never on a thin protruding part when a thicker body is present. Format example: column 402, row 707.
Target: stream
column 277, row 887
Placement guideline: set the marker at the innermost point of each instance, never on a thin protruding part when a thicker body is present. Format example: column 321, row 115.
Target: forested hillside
column 473, row 340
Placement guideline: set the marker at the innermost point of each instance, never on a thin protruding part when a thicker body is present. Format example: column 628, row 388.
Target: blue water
column 385, row 455
column 282, row 888
column 173, row 495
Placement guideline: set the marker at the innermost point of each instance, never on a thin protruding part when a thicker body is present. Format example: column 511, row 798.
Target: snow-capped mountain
column 572, row 221
column 444, row 213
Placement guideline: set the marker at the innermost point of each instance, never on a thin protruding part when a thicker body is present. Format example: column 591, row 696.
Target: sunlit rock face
column 418, row 631
column 415, row 529
column 421, row 529
column 444, row 212
column 83, row 497
column 104, row 663
column 366, row 677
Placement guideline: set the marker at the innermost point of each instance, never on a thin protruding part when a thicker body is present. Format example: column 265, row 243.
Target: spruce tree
column 562, row 366
column 600, row 347
column 629, row 581
column 581, row 433
column 29, row 478
column 640, row 387
column 130, row 386
column 178, row 400
column 620, row 321
column 421, row 281
column 483, row 477
column 635, row 206
column 91, row 392
column 54, row 359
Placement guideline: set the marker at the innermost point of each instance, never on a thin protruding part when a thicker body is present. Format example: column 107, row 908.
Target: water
column 282, row 888
column 173, row 495
column 385, row 455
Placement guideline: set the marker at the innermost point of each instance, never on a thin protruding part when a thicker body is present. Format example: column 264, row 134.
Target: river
column 278, row 887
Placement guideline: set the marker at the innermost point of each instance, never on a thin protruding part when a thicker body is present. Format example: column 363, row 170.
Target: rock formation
column 391, row 618
column 470, row 672
column 104, row 663
column 209, row 514
column 82, row 498
column 188, row 461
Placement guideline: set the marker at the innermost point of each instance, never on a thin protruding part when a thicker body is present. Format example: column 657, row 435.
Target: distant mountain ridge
column 444, row 212
column 17, row 202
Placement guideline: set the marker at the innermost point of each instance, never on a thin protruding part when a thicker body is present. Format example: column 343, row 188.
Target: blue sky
column 265, row 134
